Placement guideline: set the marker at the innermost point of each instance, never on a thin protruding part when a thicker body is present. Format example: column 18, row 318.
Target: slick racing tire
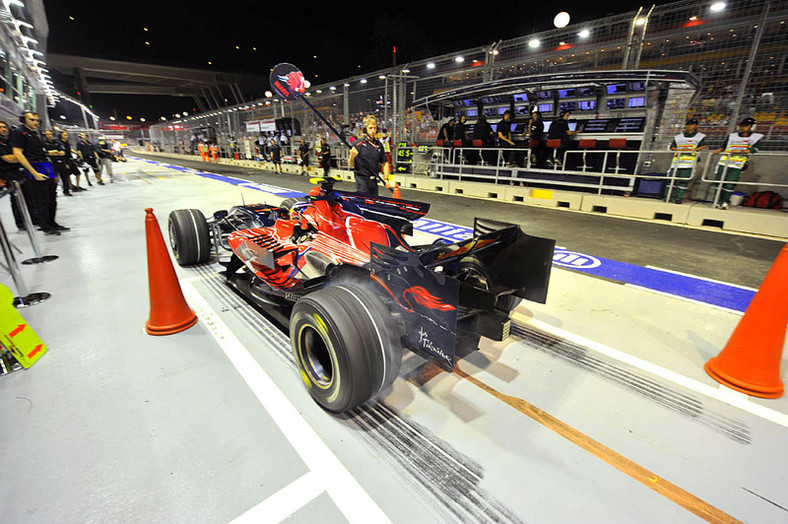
column 346, row 345
column 474, row 272
column 190, row 238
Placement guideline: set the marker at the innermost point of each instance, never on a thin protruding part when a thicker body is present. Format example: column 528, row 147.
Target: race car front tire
column 346, row 345
column 190, row 238
column 288, row 203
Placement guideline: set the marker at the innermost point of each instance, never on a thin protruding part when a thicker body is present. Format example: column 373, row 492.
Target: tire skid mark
column 657, row 392
column 439, row 471
column 433, row 464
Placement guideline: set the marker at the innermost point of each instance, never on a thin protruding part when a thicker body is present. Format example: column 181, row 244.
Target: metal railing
column 612, row 170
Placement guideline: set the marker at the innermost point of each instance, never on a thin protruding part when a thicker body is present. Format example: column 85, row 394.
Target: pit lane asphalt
column 736, row 259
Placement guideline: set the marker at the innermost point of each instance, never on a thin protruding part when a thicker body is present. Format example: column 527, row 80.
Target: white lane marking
column 284, row 502
column 723, row 394
column 685, row 299
column 656, row 268
column 351, row 499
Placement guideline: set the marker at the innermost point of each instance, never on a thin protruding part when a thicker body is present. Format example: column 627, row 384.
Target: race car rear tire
column 346, row 345
column 472, row 270
column 190, row 238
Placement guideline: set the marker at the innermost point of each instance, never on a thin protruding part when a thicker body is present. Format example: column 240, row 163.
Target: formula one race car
column 355, row 292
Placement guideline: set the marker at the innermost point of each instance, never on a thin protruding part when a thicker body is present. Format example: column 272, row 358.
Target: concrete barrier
column 767, row 222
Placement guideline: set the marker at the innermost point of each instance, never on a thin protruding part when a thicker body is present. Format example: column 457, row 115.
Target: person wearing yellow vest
column 737, row 148
column 202, row 147
column 686, row 144
column 215, row 152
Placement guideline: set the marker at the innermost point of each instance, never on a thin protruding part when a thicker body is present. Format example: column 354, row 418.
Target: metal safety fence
column 650, row 173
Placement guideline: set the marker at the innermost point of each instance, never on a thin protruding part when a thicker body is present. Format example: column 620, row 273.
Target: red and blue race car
column 336, row 267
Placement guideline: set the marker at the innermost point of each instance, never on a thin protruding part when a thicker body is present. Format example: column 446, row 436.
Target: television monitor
column 521, row 97
column 613, row 89
column 585, row 91
column 629, row 125
column 502, row 110
column 573, row 126
column 595, row 126
column 568, row 106
column 545, row 108
column 488, row 100
column 637, row 86
column 544, row 95
column 472, row 112
column 457, row 103
column 616, row 103
column 566, row 93
column 521, row 110
column 637, row 101
column 490, row 111
column 586, row 105
column 547, row 125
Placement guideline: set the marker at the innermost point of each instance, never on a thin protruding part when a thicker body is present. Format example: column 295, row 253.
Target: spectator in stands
column 504, row 135
column 367, row 157
column 10, row 170
column 104, row 151
column 737, row 148
column 29, row 150
column 276, row 155
column 483, row 131
column 559, row 130
column 303, row 157
column 87, row 153
column 684, row 161
column 538, row 146
column 325, row 157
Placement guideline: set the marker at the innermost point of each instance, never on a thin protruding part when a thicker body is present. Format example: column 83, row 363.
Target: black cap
column 691, row 121
column 748, row 121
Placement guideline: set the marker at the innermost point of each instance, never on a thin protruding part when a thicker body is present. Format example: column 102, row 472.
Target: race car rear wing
column 515, row 260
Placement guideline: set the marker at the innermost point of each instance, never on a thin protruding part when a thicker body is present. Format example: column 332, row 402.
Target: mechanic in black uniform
column 483, row 131
column 10, row 170
column 57, row 154
column 559, row 129
column 504, row 133
column 87, row 153
column 30, row 152
column 366, row 158
column 303, row 155
column 70, row 164
column 276, row 155
column 325, row 157
column 538, row 144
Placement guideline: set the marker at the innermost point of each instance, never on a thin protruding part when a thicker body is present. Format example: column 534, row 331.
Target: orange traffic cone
column 169, row 312
column 750, row 361
column 395, row 192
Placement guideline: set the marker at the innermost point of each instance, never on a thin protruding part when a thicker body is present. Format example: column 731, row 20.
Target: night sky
column 347, row 39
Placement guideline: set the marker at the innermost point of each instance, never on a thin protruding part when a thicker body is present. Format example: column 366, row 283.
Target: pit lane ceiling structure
column 209, row 90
